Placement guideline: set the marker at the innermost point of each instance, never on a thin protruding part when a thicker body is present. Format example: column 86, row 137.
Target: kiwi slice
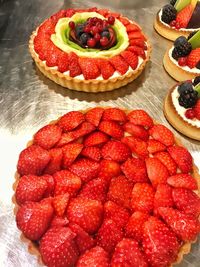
column 181, row 4
column 197, row 88
column 195, row 40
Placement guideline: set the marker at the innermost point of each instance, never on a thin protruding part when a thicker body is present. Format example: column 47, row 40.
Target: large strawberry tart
column 106, row 188
column 90, row 50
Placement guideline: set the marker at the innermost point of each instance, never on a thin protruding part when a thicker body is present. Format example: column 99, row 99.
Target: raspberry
column 190, row 114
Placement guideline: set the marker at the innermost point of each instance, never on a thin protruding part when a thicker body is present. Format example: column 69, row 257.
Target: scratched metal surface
column 28, row 100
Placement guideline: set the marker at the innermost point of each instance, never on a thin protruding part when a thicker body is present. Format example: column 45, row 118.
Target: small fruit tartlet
column 107, row 188
column 178, row 18
column 182, row 60
column 182, row 108
column 90, row 50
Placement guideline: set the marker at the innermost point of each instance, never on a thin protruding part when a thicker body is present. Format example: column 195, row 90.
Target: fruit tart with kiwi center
column 90, row 50
column 107, row 187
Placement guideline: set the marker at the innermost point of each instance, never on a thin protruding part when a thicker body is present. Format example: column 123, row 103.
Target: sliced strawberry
column 114, row 114
column 182, row 158
column 109, row 235
column 186, row 201
column 109, row 169
column 193, row 58
column 168, row 161
column 83, row 239
column 120, row 191
column 134, row 227
column 162, row 134
column 128, row 253
column 105, row 68
column 94, row 115
column 74, row 67
column 116, row 213
column 32, row 160
column 59, row 222
column 34, row 218
column 184, row 226
column 119, row 64
column 137, row 50
column 60, row 14
column 197, row 110
column 66, row 138
column 70, row 153
column 183, row 180
column 159, row 242
column 66, row 182
column 137, row 42
column 92, row 152
column 136, row 131
column 111, row 128
column 132, row 28
column 96, row 138
column 183, row 17
column 137, row 146
column 87, row 213
column 157, row 172
column 52, row 56
column 63, row 62
column 86, row 169
column 54, row 164
column 47, row 27
column 124, row 21
column 30, row 188
column 163, row 197
column 142, row 197
column 103, row 11
column 50, row 185
column 60, row 203
column 130, row 58
column 89, row 68
column 116, row 150
column 140, row 117
column 155, row 146
column 71, row 120
column 70, row 12
column 96, row 256
column 135, row 170
column 58, row 247
column 136, row 35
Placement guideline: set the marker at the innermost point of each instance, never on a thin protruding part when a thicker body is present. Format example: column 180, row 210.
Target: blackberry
column 180, row 41
column 196, row 80
column 191, row 35
column 182, row 50
column 168, row 13
column 173, row 2
column 185, row 86
column 188, row 98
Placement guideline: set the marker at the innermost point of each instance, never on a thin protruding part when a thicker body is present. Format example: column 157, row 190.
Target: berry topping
column 111, row 20
column 190, row 114
column 91, row 42
column 72, row 25
column 168, row 14
column 188, row 97
column 182, row 48
column 185, row 86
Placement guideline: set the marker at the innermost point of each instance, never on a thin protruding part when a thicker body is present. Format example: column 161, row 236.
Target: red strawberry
column 197, row 110
column 142, row 197
column 183, row 17
column 109, row 235
column 89, row 68
column 184, row 226
column 86, row 169
column 32, row 160
column 70, row 12
column 132, row 28
column 95, row 138
column 58, row 247
column 155, row 146
column 183, row 180
column 186, row 201
column 120, row 191
column 114, row 114
column 66, row 182
column 95, row 189
column 47, row 27
column 137, row 146
column 116, row 150
column 96, row 256
column 182, row 158
column 34, row 218
column 111, row 128
column 54, row 164
column 163, row 197
column 134, row 227
column 71, row 120
column 128, row 253
column 92, row 152
column 74, row 67
column 30, row 188
column 136, row 131
column 66, row 138
column 124, row 21
column 87, row 213
column 59, row 222
column 130, row 58
column 60, row 14
column 140, row 117
column 50, row 185
column 60, row 203
column 137, row 42
column 116, row 213
column 168, row 161
column 106, row 68
column 70, row 153
column 159, row 243
column 162, row 134
column 119, row 64
column 94, row 115
column 136, row 35
column 137, row 50
column 83, row 239
column 52, row 56
column 135, row 170
column 63, row 62
column 109, row 169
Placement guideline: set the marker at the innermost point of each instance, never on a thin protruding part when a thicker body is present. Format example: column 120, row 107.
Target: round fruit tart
column 90, row 50
column 182, row 108
column 178, row 18
column 182, row 60
column 106, row 188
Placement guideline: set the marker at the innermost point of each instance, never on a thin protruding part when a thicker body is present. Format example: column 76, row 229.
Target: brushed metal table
column 28, row 100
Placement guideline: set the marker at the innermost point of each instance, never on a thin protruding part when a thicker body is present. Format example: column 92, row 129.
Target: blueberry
column 84, row 37
column 105, row 34
column 180, row 41
column 79, row 30
column 186, row 86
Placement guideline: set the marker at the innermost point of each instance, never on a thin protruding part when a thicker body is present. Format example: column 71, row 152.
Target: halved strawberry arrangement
column 107, row 188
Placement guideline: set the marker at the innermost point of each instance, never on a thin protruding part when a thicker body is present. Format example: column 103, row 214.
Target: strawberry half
column 183, row 17
column 109, row 169
column 130, row 58
column 63, row 62
column 89, row 68
column 183, row 180
column 132, row 28
column 74, row 67
column 136, row 131
column 163, row 197
column 111, row 128
column 193, row 58
column 106, row 68
column 116, row 150
column 140, row 117
column 168, row 161
column 92, row 152
column 137, row 146
column 95, row 139
column 71, row 120
column 114, row 114
column 119, row 64
column 162, row 134
column 55, row 162
column 155, row 146
column 94, row 115
column 60, row 203
column 70, row 153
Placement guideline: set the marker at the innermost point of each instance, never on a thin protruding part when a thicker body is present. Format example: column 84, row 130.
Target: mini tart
column 33, row 247
column 98, row 84
column 176, row 120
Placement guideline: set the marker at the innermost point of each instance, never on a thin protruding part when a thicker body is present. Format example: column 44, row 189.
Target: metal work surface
column 28, row 100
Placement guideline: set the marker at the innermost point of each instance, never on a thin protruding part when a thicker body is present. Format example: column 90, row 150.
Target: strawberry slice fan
column 90, row 50
column 107, row 187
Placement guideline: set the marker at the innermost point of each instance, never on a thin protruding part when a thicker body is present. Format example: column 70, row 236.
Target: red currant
column 91, row 42
column 94, row 30
column 182, row 61
column 173, row 23
column 104, row 41
column 177, row 26
column 97, row 37
column 190, row 114
column 87, row 29
column 111, row 20
column 72, row 25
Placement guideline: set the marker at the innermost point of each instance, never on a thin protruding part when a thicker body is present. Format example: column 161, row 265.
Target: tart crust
column 93, row 86
column 33, row 247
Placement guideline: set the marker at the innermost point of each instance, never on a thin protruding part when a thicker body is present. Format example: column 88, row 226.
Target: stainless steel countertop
column 28, row 100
